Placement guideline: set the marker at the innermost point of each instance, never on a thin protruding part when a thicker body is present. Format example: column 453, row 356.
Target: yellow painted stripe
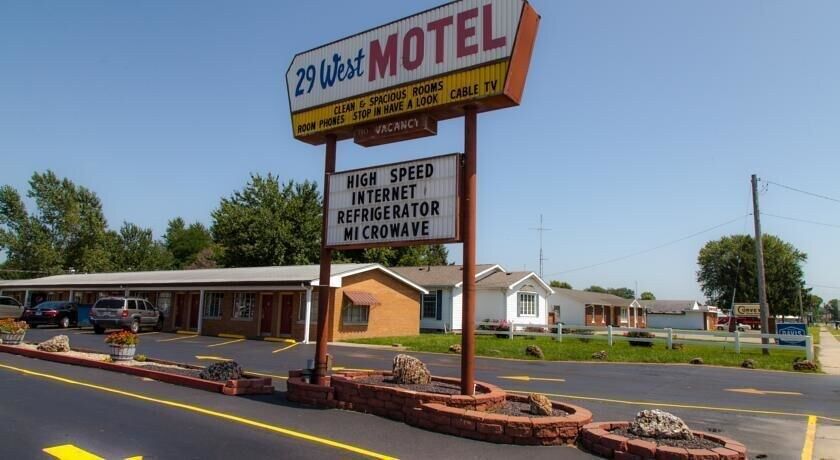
column 225, row 343
column 186, row 332
column 70, row 452
column 148, row 333
column 268, row 375
column 285, row 348
column 810, row 434
column 139, row 457
column 200, row 410
column 231, row 336
column 278, row 339
column 178, row 338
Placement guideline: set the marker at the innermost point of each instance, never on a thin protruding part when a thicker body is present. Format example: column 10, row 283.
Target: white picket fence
column 667, row 336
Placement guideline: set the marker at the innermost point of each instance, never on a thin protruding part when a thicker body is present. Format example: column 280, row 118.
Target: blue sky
column 641, row 122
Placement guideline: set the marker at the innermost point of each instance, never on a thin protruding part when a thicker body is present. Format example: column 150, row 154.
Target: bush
column 123, row 338
column 10, row 326
column 640, row 335
column 141, row 358
column 495, row 325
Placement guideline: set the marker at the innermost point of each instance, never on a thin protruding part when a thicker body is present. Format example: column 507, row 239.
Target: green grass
column 835, row 332
column 814, row 331
column 578, row 350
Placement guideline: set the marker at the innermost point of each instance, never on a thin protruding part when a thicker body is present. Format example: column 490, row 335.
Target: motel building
column 368, row 300
column 583, row 308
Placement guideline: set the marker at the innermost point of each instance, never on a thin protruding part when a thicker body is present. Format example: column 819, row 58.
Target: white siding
column 489, row 304
column 512, row 302
column 446, row 313
column 572, row 312
column 689, row 320
column 457, row 311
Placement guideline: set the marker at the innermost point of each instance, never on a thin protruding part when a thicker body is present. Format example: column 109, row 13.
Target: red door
column 267, row 314
column 286, row 315
column 194, row 311
column 180, row 305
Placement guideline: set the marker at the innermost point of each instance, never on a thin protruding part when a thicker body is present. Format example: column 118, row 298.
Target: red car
column 744, row 323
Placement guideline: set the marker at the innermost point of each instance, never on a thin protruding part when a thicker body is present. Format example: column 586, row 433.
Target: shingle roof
column 594, row 298
column 275, row 275
column 437, row 275
column 502, row 279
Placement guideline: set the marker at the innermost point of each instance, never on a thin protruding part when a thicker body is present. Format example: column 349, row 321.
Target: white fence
column 668, row 336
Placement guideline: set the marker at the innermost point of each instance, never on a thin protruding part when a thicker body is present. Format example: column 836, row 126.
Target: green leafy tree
column 729, row 263
column 622, row 292
column 560, row 284
column 269, row 223
column 408, row 256
column 136, row 250
column 833, row 307
column 187, row 242
column 647, row 295
column 595, row 288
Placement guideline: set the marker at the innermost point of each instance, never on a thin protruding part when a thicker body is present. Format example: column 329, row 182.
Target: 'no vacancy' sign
column 412, row 202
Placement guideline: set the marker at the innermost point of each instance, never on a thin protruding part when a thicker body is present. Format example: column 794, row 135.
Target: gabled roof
column 507, row 280
column 673, row 306
column 282, row 275
column 442, row 275
column 594, row 298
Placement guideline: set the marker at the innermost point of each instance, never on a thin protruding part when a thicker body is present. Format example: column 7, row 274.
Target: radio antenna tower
column 541, row 229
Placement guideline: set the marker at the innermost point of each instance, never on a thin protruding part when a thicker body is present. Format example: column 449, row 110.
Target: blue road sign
column 796, row 332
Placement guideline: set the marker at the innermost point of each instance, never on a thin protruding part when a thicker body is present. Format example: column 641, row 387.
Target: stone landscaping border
column 248, row 386
column 598, row 439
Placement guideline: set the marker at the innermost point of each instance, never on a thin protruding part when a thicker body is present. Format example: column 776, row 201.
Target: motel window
column 313, row 316
column 355, row 314
column 527, row 304
column 213, row 305
column 432, row 305
column 625, row 315
column 243, row 305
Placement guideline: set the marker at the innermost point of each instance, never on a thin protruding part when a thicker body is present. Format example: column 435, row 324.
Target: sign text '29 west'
column 455, row 53
column 402, row 203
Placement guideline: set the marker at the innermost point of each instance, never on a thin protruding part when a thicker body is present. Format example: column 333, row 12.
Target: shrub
column 124, row 338
column 640, row 335
column 10, row 326
column 140, row 358
column 538, row 329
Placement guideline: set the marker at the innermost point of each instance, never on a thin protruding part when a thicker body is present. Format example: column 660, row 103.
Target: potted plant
column 12, row 332
column 123, row 345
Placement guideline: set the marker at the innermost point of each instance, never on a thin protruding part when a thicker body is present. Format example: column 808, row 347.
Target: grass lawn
column 578, row 350
column 814, row 331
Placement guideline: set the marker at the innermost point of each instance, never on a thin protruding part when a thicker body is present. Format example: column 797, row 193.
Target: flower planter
column 123, row 352
column 11, row 339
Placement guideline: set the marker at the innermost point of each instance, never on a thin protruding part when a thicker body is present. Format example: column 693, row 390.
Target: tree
column 560, row 284
column 408, row 256
column 729, row 263
column 269, row 223
column 136, row 250
column 833, row 307
column 647, row 295
column 595, row 288
column 623, row 292
column 68, row 230
column 187, row 242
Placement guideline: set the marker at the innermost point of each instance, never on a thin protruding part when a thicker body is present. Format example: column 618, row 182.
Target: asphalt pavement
column 766, row 410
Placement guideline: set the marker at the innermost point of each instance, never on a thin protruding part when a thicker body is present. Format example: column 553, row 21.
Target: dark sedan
column 55, row 313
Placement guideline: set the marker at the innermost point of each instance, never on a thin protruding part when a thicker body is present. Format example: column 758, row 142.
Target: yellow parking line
column 268, row 375
column 286, row 348
column 178, row 338
column 810, row 434
column 231, row 336
column 70, row 452
column 225, row 343
column 148, row 333
column 200, row 410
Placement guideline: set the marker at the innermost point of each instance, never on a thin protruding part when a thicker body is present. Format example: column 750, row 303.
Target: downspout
column 308, row 314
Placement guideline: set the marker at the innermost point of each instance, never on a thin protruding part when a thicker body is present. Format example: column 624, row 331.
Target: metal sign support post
column 326, row 259
column 468, row 224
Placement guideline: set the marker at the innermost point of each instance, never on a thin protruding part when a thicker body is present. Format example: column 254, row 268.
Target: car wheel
column 135, row 327
column 98, row 330
column 64, row 323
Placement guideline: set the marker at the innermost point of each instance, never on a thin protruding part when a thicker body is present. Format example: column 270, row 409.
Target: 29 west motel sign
column 432, row 62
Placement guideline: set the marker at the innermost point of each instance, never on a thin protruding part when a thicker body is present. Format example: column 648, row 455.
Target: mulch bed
column 434, row 387
column 186, row 372
column 522, row 409
column 696, row 443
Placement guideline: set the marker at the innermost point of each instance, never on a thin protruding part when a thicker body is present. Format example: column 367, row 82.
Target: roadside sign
column 395, row 130
column 747, row 309
column 463, row 52
column 796, row 332
column 399, row 204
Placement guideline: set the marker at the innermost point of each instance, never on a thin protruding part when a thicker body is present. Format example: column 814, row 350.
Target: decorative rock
column 696, row 361
column 748, row 364
column 600, row 355
column 540, row 405
column 805, row 366
column 59, row 343
column 219, row 372
column 533, row 350
column 396, row 345
column 659, row 424
column 455, row 348
column 409, row 370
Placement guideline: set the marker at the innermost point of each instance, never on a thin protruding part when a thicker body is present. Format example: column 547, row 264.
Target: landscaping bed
column 612, row 440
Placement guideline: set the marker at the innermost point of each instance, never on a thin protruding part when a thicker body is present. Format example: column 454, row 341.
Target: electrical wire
column 803, row 191
column 823, row 286
column 804, row 221
column 617, row 259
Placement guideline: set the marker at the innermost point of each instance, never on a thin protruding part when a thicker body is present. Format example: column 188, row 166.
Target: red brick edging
column 250, row 385
column 458, row 415
column 597, row 438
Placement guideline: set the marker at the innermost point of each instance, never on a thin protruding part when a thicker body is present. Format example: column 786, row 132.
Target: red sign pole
column 468, row 224
column 324, row 293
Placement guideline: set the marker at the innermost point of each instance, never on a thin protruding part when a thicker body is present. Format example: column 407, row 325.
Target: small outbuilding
column 680, row 314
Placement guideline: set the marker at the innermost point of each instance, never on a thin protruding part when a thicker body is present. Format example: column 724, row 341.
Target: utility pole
column 759, row 260
column 541, row 229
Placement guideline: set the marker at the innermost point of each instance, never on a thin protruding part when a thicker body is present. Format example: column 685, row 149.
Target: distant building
column 680, row 314
column 583, row 308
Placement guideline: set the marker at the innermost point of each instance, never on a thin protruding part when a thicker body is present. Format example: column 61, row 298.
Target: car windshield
column 109, row 303
column 50, row 305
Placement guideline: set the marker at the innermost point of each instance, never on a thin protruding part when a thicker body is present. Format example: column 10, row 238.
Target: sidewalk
column 829, row 353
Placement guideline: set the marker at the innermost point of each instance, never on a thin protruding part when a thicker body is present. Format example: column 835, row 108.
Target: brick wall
column 397, row 314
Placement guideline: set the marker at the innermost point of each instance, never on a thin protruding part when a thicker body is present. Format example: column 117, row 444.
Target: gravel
column 434, row 387
column 696, row 443
column 523, row 409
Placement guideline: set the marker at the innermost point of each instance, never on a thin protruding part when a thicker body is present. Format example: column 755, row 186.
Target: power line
column 823, row 286
column 803, row 191
column 650, row 249
column 801, row 220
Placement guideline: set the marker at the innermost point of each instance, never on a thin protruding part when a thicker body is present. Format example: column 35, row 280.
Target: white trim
column 335, row 280
column 308, row 314
column 539, row 280
column 483, row 272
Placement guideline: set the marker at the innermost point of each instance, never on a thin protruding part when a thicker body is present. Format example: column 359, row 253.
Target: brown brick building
column 368, row 300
